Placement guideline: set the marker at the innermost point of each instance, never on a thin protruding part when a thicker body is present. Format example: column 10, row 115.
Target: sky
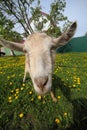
column 75, row 10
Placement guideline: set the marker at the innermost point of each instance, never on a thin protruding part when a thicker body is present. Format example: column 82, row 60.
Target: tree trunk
column 12, row 53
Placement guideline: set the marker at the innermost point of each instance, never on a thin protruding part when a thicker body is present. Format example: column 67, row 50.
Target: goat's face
column 41, row 58
column 40, row 51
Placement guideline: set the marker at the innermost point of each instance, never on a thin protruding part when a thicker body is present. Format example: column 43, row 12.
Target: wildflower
column 78, row 80
column 10, row 98
column 74, row 85
column 16, row 97
column 59, row 97
column 65, row 114
column 12, row 91
column 17, row 92
column 22, row 88
column 10, row 83
column 57, row 121
column 30, row 92
column 9, row 101
column 17, row 89
column 23, row 84
column 21, row 115
column 32, row 99
column 39, row 97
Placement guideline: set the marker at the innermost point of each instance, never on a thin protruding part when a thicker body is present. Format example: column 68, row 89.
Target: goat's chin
column 40, row 92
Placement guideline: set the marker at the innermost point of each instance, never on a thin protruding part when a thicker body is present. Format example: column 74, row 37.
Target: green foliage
column 25, row 11
column 57, row 9
column 22, row 109
column 6, row 29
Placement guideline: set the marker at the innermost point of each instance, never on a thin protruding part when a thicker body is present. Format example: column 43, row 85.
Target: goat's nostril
column 45, row 80
column 41, row 81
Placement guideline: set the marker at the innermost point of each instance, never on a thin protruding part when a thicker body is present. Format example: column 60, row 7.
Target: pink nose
column 41, row 82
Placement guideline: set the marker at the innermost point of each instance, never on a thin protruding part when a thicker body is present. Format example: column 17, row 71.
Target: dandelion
column 32, row 99
column 12, row 91
column 23, row 84
column 57, row 121
column 17, row 89
column 78, row 80
column 59, row 97
column 21, row 88
column 9, row 98
column 39, row 97
column 21, row 115
column 17, row 92
column 16, row 97
column 74, row 85
column 30, row 92
column 9, row 101
column 10, row 83
column 65, row 114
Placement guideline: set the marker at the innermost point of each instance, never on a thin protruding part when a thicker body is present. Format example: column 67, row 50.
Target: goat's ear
column 12, row 45
column 65, row 37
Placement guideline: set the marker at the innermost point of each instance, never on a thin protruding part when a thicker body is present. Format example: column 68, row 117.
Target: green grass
column 22, row 109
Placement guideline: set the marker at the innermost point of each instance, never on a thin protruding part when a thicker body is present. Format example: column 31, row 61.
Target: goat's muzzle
column 41, row 82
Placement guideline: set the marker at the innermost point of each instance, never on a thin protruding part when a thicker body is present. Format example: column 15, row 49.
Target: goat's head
column 40, row 49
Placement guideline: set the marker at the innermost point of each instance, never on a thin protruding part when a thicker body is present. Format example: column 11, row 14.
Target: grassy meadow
column 22, row 109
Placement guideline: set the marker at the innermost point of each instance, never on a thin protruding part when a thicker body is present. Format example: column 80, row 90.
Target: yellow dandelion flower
column 32, row 99
column 21, row 115
column 21, row 88
column 10, row 83
column 23, row 84
column 17, row 92
column 74, row 85
column 39, row 97
column 17, row 89
column 59, row 97
column 16, row 97
column 30, row 92
column 12, row 91
column 57, row 121
column 10, row 98
column 78, row 80
column 10, row 101
column 65, row 114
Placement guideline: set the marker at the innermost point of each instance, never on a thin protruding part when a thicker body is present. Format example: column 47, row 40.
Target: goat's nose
column 41, row 81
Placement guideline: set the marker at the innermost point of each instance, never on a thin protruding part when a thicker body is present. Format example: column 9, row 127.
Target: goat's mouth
column 42, row 84
column 42, row 90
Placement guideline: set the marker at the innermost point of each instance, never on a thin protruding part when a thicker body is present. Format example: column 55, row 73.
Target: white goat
column 39, row 51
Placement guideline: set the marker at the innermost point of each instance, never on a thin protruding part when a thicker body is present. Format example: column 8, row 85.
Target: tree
column 23, row 11
column 6, row 30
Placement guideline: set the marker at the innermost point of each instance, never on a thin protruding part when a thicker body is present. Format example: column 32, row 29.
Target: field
column 22, row 109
